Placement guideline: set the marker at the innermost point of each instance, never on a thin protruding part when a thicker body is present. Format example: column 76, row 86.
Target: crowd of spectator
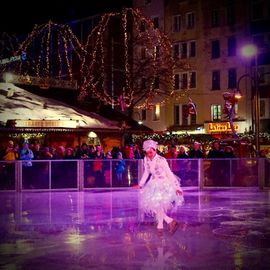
column 124, row 168
column 132, row 151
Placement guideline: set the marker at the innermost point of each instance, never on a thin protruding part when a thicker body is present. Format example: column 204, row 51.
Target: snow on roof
column 19, row 104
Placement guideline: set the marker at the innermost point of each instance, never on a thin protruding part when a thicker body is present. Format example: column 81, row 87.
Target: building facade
column 207, row 37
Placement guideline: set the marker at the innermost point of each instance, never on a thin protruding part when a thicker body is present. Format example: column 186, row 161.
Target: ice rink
column 104, row 229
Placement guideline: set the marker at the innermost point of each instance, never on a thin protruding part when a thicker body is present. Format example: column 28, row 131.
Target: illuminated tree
column 128, row 60
column 52, row 52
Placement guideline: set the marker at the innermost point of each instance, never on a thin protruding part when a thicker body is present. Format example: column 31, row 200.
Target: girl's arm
column 145, row 174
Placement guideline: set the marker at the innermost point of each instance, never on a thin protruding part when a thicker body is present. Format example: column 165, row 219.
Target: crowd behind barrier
column 31, row 167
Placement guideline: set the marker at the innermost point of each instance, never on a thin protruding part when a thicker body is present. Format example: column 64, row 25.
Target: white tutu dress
column 159, row 192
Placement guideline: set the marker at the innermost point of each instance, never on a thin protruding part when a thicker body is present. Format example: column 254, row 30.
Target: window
column 156, row 112
column 257, row 10
column 176, row 23
column 215, row 49
column 184, row 115
column 156, row 22
column 231, row 46
column 230, row 15
column 262, row 73
column 176, row 82
column 192, row 49
column 190, row 20
column 192, row 83
column 215, row 18
column 216, row 80
column 176, row 50
column 176, row 115
column 143, row 114
column 215, row 112
column 193, row 119
column 262, row 108
column 232, row 78
column 184, row 50
column 185, row 80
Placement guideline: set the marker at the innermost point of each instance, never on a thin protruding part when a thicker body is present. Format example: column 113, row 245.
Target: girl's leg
column 160, row 217
column 167, row 219
column 173, row 225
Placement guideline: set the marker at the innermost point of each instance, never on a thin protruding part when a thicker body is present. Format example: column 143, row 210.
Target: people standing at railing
column 98, row 167
column 42, row 168
column 229, row 152
column 174, row 163
column 160, row 188
column 217, row 175
column 215, row 151
column 137, row 152
column 10, row 152
column 131, row 164
column 172, row 153
column 120, row 167
column 83, row 151
column 45, row 153
column 26, row 154
column 262, row 153
column 8, row 168
column 185, row 172
column 182, row 153
column 59, row 152
column 36, row 148
column 196, row 151
column 69, row 153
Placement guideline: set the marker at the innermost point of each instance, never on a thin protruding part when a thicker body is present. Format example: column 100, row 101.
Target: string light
column 42, row 44
column 95, row 65
column 51, row 48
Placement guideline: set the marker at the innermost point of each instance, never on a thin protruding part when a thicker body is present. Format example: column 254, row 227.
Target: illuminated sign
column 47, row 123
column 221, row 127
column 15, row 58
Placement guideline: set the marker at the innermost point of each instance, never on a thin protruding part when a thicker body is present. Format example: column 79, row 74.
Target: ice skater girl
column 160, row 189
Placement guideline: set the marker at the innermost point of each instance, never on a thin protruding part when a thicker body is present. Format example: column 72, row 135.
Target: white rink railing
column 91, row 174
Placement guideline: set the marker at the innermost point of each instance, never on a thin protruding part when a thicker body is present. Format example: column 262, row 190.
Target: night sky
column 19, row 17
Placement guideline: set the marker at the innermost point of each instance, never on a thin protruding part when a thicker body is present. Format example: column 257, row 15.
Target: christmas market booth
column 27, row 116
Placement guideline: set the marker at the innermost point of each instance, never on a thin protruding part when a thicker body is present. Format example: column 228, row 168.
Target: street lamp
column 248, row 51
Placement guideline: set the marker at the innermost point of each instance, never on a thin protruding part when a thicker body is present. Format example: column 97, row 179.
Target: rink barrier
column 101, row 174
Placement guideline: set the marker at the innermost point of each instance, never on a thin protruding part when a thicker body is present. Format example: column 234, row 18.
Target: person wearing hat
column 160, row 188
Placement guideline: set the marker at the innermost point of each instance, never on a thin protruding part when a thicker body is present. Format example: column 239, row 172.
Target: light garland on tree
column 95, row 65
column 40, row 47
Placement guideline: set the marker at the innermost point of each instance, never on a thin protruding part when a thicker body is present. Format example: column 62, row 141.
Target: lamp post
column 251, row 50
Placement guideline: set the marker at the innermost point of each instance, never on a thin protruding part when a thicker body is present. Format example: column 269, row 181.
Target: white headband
column 149, row 144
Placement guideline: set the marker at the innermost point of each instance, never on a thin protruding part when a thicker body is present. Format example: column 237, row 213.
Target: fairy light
column 42, row 44
column 94, row 73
